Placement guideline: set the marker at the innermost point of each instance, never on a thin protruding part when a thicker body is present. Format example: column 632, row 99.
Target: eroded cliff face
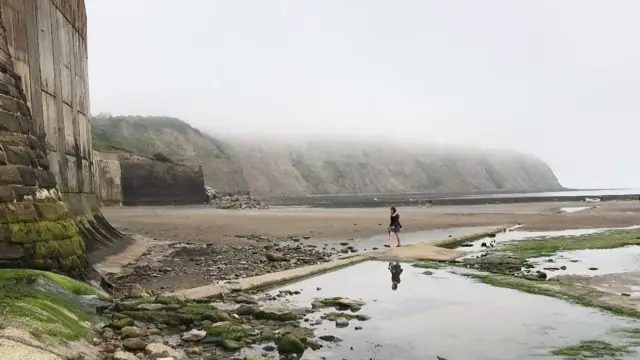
column 271, row 168
column 347, row 168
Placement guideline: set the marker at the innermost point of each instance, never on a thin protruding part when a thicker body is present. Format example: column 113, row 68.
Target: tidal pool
column 591, row 262
column 447, row 315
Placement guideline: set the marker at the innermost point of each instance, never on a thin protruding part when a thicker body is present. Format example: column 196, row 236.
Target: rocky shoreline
column 145, row 326
column 177, row 265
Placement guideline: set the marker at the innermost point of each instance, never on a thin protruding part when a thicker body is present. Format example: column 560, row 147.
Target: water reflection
column 395, row 270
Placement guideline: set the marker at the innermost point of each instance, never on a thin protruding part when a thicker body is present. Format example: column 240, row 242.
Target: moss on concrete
column 41, row 231
column 24, row 302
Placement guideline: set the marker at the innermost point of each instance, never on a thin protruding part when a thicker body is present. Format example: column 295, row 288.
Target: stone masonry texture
column 49, row 215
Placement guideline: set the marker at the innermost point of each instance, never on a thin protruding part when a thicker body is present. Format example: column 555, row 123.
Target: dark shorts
column 394, row 229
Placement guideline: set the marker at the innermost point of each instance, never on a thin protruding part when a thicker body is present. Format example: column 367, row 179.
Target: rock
column 123, row 355
column 158, row 350
column 134, row 344
column 355, row 307
column 358, row 327
column 363, row 317
column 467, row 244
column 137, row 291
column 96, row 342
column 269, row 348
column 342, row 323
column 275, row 257
column 169, row 299
column 231, row 345
column 245, row 310
column 625, row 294
column 563, row 267
column 128, row 332
column 194, row 335
column 427, row 272
column 151, row 307
column 314, row 345
column 593, row 268
column 195, row 350
column 290, row 344
column 119, row 324
column 330, row 338
column 254, row 357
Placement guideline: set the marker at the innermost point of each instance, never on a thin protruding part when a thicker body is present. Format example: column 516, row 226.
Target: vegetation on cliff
column 322, row 167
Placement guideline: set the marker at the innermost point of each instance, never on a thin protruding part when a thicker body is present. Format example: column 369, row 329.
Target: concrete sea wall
column 150, row 182
column 107, row 178
column 50, row 217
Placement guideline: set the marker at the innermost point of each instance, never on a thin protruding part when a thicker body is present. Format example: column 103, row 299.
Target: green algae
column 39, row 231
column 591, row 349
column 44, row 312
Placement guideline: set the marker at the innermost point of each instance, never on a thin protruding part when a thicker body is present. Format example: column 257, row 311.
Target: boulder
column 134, row 344
column 194, row 335
column 290, row 344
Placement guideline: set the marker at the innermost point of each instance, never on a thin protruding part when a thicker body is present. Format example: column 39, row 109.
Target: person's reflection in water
column 396, row 270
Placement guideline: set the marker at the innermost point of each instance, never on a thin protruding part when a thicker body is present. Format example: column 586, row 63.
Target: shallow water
column 447, row 315
column 574, row 209
column 415, row 237
column 607, row 261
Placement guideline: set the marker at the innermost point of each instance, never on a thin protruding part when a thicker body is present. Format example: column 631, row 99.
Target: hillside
column 322, row 167
column 172, row 137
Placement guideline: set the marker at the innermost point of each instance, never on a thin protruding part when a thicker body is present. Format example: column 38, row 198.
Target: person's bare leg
column 398, row 238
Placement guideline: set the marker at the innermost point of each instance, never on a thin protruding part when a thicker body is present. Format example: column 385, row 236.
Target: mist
column 557, row 80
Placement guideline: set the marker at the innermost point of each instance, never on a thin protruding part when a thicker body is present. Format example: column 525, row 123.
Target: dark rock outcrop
column 150, row 182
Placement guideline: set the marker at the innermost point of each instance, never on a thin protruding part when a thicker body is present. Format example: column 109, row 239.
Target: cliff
column 323, row 167
column 181, row 143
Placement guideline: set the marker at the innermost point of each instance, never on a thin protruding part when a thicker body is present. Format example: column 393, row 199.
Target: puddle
column 604, row 261
column 378, row 241
column 574, row 209
column 447, row 315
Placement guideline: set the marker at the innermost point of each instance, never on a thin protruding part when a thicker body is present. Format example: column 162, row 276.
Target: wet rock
column 124, row 355
column 330, row 338
column 194, row 350
column 269, row 348
column 134, row 344
column 194, row 335
column 574, row 261
column 245, row 310
column 427, row 272
column 254, row 357
column 131, row 332
column 342, row 323
column 358, row 327
column 169, row 299
column 108, row 333
column 313, row 345
column 276, row 257
column 158, row 350
column 121, row 323
column 593, row 268
column 290, row 344
column 272, row 315
column 467, row 244
column 151, row 307
column 137, row 291
column 363, row 317
column 231, row 345
column 245, row 300
column 563, row 267
column 625, row 294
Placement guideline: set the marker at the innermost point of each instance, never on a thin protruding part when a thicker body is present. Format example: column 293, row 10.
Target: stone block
column 41, row 231
column 46, row 179
column 18, row 155
column 9, row 174
column 13, row 138
column 52, row 211
column 9, row 90
column 56, row 249
column 23, row 193
column 41, row 159
column 6, row 194
column 34, row 143
column 28, row 175
column 9, row 122
column 11, row 251
column 9, row 104
column 17, row 212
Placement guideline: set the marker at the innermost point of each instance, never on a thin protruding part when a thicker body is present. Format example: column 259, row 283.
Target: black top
column 395, row 220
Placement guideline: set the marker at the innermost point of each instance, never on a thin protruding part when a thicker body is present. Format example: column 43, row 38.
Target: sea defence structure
column 107, row 178
column 50, row 217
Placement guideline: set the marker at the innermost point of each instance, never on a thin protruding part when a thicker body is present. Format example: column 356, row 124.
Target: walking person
column 394, row 226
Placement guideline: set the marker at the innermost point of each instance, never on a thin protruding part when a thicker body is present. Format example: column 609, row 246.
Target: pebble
column 342, row 323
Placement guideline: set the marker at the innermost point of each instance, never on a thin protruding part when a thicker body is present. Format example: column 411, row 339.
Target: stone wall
column 150, row 182
column 50, row 217
column 107, row 178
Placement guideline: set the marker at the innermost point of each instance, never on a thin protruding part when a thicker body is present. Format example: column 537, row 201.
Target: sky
column 557, row 79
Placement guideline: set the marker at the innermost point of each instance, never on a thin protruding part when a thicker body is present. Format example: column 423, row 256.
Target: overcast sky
column 558, row 79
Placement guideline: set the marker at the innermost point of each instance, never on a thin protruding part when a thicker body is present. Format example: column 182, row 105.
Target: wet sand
column 205, row 225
